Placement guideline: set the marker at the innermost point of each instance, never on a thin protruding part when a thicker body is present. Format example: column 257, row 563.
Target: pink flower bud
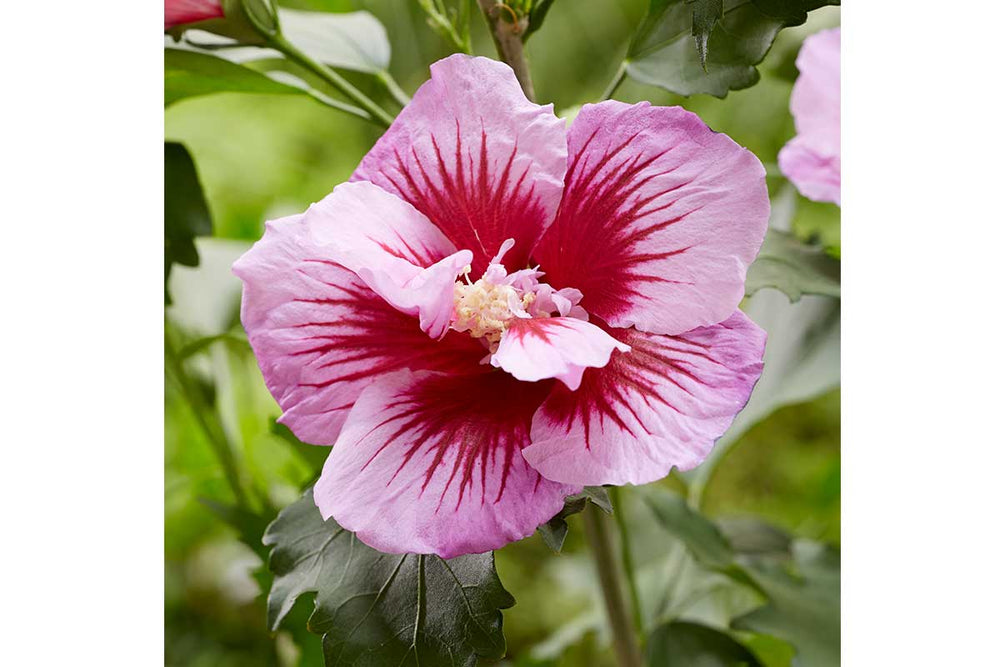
column 178, row 12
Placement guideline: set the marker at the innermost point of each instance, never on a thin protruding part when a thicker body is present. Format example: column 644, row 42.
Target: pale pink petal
column 398, row 252
column 431, row 463
column 321, row 335
column 426, row 293
column 554, row 347
column 476, row 157
column 815, row 173
column 178, row 12
column 811, row 160
column 660, row 406
column 660, row 219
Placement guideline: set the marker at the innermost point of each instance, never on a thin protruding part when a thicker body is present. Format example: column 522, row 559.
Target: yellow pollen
column 483, row 309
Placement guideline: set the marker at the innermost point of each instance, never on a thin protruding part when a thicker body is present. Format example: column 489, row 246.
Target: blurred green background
column 262, row 157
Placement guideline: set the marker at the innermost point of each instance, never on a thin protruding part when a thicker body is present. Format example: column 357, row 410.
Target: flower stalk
column 628, row 563
column 390, row 84
column 616, row 81
column 441, row 20
column 264, row 18
column 378, row 115
column 621, row 622
column 508, row 29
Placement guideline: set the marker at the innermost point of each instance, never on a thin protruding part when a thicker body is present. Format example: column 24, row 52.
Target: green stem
column 378, row 114
column 596, row 530
column 440, row 20
column 616, row 81
column 390, row 85
column 211, row 427
column 328, row 101
column 628, row 563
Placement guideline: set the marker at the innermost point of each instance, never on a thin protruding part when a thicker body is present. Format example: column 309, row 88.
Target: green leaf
column 695, row 645
column 354, row 40
column 787, row 264
column 803, row 607
column 793, row 12
column 704, row 15
column 383, row 609
column 751, row 536
column 185, row 212
column 599, row 496
column 190, row 74
column 702, row 538
column 688, row 47
column 536, row 16
column 554, row 531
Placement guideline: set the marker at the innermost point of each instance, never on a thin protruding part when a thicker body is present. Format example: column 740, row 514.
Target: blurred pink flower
column 496, row 311
column 811, row 160
column 178, row 12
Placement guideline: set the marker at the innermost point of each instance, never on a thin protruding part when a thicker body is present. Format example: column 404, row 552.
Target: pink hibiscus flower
column 811, row 160
column 496, row 311
column 178, row 12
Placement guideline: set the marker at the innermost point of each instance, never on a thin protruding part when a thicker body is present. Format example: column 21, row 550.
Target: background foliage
column 260, row 156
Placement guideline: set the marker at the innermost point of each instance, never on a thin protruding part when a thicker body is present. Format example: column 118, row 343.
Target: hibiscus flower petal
column 397, row 251
column 814, row 171
column 660, row 218
column 554, row 347
column 321, row 335
column 476, row 157
column 431, row 463
column 811, row 160
column 660, row 406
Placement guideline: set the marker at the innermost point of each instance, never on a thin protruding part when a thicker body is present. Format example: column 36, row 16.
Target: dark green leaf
column 536, row 16
column 687, row 48
column 185, row 212
column 383, row 609
column 695, row 645
column 297, row 624
column 190, row 74
column 599, row 496
column 803, row 607
column 704, row 15
column 554, row 531
column 793, row 12
column 787, row 264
